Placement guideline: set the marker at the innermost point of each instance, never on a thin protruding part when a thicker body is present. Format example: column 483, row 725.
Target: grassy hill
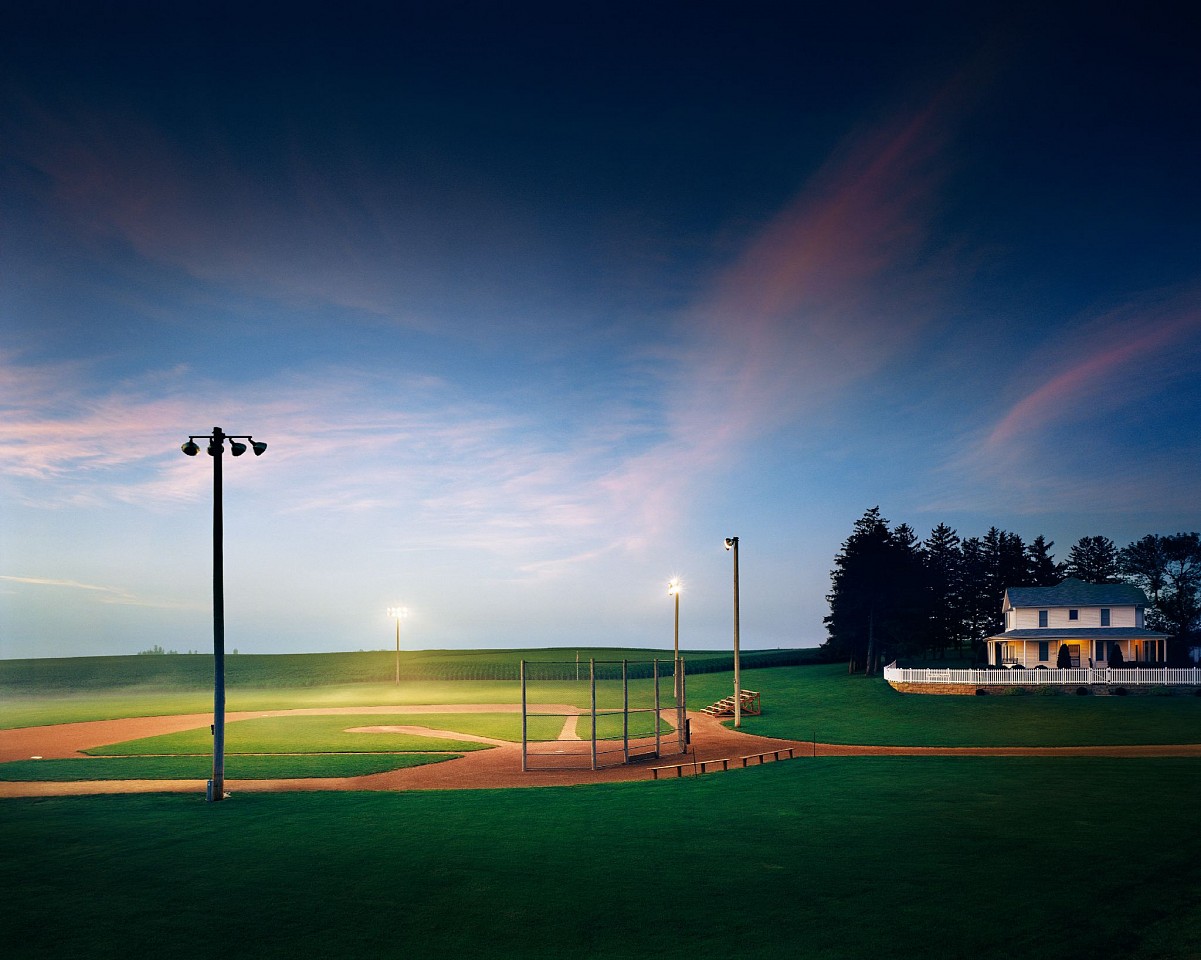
column 175, row 671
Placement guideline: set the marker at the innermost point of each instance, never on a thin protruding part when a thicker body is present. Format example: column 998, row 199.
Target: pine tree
column 1093, row 560
column 872, row 596
column 1041, row 565
column 942, row 558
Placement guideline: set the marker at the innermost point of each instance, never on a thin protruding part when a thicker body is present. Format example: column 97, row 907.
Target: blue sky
column 534, row 304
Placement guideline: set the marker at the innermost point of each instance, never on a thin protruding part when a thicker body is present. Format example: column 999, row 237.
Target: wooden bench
column 704, row 766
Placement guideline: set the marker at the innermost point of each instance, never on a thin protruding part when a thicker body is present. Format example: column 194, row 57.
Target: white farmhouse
column 1090, row 619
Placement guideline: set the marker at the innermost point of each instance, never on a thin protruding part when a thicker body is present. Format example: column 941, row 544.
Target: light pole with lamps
column 673, row 590
column 399, row 613
column 732, row 544
column 216, row 448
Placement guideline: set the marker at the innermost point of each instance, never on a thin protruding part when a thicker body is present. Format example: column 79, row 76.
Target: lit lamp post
column 215, row 444
column 732, row 544
column 399, row 613
column 673, row 590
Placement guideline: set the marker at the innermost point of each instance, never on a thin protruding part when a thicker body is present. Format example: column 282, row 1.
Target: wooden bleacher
column 751, row 706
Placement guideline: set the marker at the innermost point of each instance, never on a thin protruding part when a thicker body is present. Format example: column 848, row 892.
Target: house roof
column 1081, row 633
column 1077, row 593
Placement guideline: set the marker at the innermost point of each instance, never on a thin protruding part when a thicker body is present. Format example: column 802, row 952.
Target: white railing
column 1000, row 676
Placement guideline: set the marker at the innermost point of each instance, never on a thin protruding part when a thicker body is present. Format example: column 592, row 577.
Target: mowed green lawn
column 276, row 767
column 801, row 703
column 815, row 858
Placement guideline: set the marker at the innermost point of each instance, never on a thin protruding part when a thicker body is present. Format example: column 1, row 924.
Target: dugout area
column 635, row 713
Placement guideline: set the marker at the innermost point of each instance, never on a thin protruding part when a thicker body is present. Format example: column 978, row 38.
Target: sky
column 536, row 303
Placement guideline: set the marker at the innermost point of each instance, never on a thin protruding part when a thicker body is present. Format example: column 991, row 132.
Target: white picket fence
column 1119, row 677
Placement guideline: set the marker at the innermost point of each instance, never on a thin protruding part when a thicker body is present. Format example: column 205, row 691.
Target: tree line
column 893, row 595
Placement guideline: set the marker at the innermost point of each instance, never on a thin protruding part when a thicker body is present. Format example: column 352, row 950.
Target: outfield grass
column 75, row 675
column 37, row 706
column 612, row 726
column 826, row 859
column 798, row 703
column 201, row 768
column 823, row 701
column 320, row 734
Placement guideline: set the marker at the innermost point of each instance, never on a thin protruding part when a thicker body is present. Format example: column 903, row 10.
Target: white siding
column 1026, row 618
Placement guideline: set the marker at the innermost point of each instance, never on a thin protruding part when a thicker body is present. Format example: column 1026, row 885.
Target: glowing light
column 674, row 586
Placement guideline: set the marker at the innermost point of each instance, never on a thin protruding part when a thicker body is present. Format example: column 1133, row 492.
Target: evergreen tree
column 1040, row 563
column 871, row 606
column 978, row 604
column 1093, row 560
column 942, row 558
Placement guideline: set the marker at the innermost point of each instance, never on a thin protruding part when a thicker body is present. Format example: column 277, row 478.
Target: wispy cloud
column 1111, row 361
column 103, row 594
column 833, row 288
column 1086, row 411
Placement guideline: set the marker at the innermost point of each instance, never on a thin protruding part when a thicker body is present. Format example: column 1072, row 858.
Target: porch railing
column 1077, row 676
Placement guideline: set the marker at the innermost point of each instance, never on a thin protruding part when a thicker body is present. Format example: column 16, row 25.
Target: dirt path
column 498, row 767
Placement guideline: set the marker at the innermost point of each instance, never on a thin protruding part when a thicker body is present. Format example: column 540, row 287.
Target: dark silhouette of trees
column 1168, row 568
column 1093, row 560
column 872, row 597
column 1041, row 567
column 942, row 558
column 893, row 596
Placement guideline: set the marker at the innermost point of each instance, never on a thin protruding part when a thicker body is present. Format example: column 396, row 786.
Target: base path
column 497, row 767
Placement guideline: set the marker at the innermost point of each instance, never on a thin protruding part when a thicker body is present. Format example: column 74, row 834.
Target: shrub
column 1117, row 691
column 1083, row 691
column 981, row 692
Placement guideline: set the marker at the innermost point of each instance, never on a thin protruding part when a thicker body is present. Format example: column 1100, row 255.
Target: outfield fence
column 1039, row 676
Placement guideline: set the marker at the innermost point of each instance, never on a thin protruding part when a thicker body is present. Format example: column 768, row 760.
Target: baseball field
column 1062, row 827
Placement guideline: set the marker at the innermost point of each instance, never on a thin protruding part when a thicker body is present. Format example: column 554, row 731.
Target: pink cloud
column 1100, row 363
column 830, row 290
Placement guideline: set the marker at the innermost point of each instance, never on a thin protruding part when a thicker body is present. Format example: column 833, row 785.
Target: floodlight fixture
column 732, row 544
column 215, row 445
column 398, row 613
column 673, row 590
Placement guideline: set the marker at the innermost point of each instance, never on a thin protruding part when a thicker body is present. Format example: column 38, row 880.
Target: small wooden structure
column 725, row 708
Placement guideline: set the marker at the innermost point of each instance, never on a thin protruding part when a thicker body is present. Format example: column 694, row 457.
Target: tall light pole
column 216, row 448
column 732, row 544
column 673, row 590
column 399, row 613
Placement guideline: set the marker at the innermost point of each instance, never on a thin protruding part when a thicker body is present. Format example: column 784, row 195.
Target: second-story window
column 1042, row 618
column 1105, row 616
column 1073, row 614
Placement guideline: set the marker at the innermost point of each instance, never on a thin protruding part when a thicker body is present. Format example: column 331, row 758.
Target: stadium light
column 732, row 544
column 215, row 444
column 674, row 587
column 399, row 613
